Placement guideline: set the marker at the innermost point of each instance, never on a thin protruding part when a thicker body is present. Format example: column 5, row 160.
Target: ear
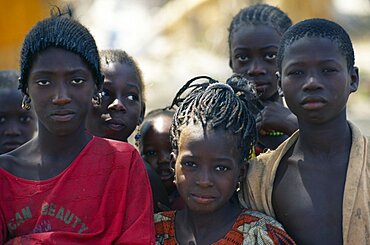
column 230, row 63
column 173, row 159
column 172, row 164
column 278, row 79
column 142, row 113
column 355, row 79
column 243, row 170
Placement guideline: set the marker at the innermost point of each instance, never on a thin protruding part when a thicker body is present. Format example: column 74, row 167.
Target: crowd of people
column 265, row 157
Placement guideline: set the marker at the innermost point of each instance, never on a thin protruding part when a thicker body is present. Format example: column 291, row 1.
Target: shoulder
column 166, row 216
column 252, row 217
column 102, row 145
column 257, row 226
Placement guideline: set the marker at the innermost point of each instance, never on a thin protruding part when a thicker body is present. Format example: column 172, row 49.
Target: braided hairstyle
column 119, row 56
column 59, row 31
column 217, row 105
column 260, row 14
column 318, row 28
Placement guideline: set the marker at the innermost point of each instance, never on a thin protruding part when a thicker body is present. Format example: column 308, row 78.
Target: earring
column 280, row 92
column 96, row 99
column 26, row 103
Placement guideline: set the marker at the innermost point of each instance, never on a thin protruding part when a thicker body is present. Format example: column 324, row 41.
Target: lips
column 63, row 115
column 202, row 198
column 313, row 103
column 115, row 125
column 11, row 145
column 165, row 174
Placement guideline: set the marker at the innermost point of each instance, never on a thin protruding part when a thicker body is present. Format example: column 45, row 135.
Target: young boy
column 17, row 125
column 317, row 182
column 66, row 186
column 123, row 107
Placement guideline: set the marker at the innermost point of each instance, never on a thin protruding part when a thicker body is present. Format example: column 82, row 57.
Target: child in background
column 212, row 134
column 123, row 105
column 17, row 125
column 155, row 148
column 254, row 37
column 66, row 186
column 317, row 182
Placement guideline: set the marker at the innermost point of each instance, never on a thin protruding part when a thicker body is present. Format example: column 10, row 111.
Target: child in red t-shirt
column 66, row 186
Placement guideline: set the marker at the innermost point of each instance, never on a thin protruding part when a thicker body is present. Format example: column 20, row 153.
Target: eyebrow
column 48, row 72
column 264, row 47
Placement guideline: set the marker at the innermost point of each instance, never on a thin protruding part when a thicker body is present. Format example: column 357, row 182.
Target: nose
column 256, row 68
column 312, row 83
column 204, row 178
column 117, row 104
column 164, row 158
column 61, row 96
column 12, row 129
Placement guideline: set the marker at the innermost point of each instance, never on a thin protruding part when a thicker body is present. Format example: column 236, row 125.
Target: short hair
column 60, row 32
column 9, row 79
column 317, row 28
column 119, row 56
column 166, row 112
column 260, row 14
column 217, row 105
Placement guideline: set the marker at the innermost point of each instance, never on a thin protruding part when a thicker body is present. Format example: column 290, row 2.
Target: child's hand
column 276, row 117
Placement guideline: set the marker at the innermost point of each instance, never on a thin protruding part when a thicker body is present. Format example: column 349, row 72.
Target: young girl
column 254, row 37
column 122, row 108
column 66, row 186
column 17, row 125
column 212, row 133
column 155, row 148
column 123, row 105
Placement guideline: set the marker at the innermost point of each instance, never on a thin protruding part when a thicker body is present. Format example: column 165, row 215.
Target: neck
column 59, row 145
column 331, row 137
column 200, row 224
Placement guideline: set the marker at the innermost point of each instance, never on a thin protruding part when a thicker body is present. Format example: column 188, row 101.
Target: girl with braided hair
column 254, row 37
column 212, row 134
column 66, row 186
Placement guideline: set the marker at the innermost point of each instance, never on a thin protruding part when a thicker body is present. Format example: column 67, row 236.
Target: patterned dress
column 251, row 227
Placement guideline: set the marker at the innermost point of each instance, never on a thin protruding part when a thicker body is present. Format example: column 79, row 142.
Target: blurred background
column 175, row 40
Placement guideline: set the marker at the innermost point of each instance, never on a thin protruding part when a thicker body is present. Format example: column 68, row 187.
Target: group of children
column 226, row 163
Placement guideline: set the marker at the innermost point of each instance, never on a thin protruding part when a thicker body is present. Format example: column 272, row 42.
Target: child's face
column 253, row 53
column 17, row 126
column 315, row 79
column 207, row 168
column 122, row 107
column 155, row 148
column 61, row 87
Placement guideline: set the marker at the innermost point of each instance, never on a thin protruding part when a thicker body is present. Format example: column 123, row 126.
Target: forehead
column 159, row 124
column 120, row 73
column 312, row 49
column 196, row 135
column 58, row 60
column 251, row 36
column 10, row 98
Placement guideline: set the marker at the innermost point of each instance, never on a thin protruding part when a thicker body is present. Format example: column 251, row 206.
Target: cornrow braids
column 9, row 79
column 59, row 32
column 119, row 56
column 317, row 28
column 260, row 14
column 217, row 105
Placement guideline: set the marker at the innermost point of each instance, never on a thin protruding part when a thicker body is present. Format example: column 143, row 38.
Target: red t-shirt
column 103, row 197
